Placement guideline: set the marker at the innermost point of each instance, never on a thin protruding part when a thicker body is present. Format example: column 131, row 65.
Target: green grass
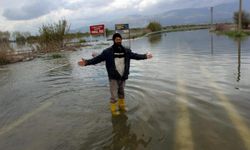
column 55, row 56
column 82, row 41
column 236, row 34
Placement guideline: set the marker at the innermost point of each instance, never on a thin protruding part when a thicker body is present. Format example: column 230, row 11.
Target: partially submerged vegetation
column 237, row 34
column 3, row 57
column 233, row 30
column 52, row 36
column 56, row 55
column 230, row 30
column 4, row 47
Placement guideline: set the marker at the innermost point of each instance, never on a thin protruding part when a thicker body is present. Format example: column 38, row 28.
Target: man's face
column 118, row 41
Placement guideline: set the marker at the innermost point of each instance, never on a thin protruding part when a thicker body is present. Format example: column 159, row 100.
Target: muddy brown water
column 193, row 95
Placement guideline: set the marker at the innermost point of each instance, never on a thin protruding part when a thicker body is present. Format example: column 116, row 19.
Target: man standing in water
column 117, row 60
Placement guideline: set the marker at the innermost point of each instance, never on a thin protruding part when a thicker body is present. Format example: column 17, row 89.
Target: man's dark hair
column 116, row 35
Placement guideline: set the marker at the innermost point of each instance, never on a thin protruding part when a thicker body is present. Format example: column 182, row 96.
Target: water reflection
column 80, row 114
column 62, row 68
column 212, row 44
column 123, row 138
column 61, row 64
column 239, row 59
column 155, row 39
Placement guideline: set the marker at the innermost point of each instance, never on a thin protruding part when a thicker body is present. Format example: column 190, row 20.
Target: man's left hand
column 149, row 55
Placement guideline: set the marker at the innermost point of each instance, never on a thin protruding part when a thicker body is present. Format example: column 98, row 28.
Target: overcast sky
column 29, row 15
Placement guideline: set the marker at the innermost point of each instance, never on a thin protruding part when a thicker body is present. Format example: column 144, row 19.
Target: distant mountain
column 221, row 13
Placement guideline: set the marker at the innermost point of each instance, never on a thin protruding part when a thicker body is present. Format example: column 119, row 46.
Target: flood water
column 193, row 95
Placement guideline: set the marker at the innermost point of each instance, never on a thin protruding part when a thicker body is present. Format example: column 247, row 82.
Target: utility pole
column 240, row 16
column 211, row 9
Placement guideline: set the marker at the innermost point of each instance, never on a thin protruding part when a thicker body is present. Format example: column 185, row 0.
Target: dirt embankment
column 13, row 57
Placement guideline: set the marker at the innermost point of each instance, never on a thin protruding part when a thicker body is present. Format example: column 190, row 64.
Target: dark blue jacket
column 108, row 56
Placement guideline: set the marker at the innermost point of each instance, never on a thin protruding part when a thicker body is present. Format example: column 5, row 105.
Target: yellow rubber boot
column 113, row 109
column 121, row 104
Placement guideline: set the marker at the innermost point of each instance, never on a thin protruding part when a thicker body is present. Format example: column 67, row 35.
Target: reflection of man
column 122, row 138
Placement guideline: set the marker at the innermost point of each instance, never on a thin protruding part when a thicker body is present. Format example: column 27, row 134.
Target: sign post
column 123, row 29
column 97, row 30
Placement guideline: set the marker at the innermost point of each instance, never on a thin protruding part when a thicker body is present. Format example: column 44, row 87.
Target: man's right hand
column 82, row 62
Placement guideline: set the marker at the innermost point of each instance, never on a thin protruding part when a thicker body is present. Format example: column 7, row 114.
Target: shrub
column 52, row 36
column 235, row 34
column 55, row 56
column 245, row 18
column 4, row 46
column 82, row 41
column 154, row 26
column 3, row 57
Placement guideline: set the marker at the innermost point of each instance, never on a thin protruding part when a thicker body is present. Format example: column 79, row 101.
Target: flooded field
column 193, row 95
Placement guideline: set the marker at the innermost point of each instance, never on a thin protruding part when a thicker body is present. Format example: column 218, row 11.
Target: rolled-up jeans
column 116, row 89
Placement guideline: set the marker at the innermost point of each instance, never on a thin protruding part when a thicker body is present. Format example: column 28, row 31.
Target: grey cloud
column 87, row 4
column 198, row 3
column 30, row 11
column 163, row 5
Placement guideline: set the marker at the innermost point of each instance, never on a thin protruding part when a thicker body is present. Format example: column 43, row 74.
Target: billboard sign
column 122, row 28
column 97, row 29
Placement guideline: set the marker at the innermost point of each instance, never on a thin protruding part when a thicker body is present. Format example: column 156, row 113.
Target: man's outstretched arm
column 93, row 61
column 136, row 56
